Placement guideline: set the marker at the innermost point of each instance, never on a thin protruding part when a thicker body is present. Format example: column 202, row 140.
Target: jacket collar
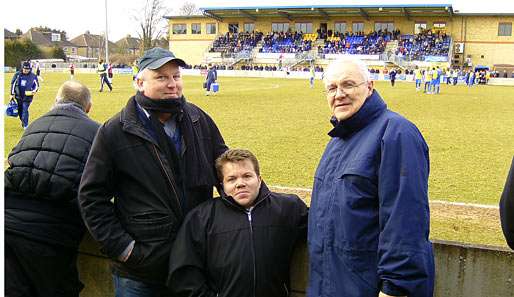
column 130, row 122
column 264, row 193
column 372, row 108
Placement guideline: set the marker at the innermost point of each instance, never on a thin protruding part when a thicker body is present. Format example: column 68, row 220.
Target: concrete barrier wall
column 462, row 270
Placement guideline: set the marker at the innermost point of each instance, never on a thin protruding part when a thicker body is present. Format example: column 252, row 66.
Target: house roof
column 129, row 42
column 91, row 41
column 9, row 35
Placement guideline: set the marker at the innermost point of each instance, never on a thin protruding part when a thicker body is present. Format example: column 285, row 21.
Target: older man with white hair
column 369, row 215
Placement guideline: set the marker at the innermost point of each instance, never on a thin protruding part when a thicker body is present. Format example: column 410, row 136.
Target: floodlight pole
column 106, row 37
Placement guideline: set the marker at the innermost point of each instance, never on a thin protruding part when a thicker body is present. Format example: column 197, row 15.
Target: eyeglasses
column 346, row 87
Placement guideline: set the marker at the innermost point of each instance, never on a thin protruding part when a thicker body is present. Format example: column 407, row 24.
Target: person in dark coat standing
column 242, row 243
column 43, row 226
column 212, row 76
column 369, row 217
column 24, row 86
column 507, row 208
column 150, row 164
column 392, row 76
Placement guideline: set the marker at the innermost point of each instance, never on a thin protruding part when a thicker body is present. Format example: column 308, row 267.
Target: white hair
column 139, row 76
column 347, row 59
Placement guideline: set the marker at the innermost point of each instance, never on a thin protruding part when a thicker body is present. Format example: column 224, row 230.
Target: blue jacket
column 212, row 75
column 21, row 83
column 369, row 216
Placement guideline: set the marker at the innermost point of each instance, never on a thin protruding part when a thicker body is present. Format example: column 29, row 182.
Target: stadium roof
column 327, row 12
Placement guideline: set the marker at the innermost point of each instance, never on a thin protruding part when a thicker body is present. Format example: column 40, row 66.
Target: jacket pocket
column 151, row 226
column 355, row 207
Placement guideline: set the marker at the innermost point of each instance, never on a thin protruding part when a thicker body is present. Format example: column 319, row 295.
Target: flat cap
column 156, row 57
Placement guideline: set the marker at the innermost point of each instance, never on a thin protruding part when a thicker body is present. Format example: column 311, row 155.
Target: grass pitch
column 285, row 123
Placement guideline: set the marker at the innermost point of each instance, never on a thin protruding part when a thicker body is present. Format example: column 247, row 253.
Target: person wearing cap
column 369, row 218
column 149, row 165
column 24, row 85
column 102, row 71
column 43, row 226
column 242, row 243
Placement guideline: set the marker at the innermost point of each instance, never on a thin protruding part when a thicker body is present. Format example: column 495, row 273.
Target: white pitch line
column 476, row 205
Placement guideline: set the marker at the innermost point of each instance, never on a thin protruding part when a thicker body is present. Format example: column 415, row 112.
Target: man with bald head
column 369, row 215
column 150, row 164
column 43, row 226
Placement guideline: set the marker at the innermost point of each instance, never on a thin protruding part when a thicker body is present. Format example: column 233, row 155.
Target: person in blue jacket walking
column 212, row 76
column 369, row 217
column 24, row 85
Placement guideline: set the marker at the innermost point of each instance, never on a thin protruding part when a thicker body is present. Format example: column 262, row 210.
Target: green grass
column 285, row 123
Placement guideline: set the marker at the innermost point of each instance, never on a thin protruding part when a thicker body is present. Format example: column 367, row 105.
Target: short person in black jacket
column 241, row 243
column 507, row 208
column 149, row 165
column 43, row 227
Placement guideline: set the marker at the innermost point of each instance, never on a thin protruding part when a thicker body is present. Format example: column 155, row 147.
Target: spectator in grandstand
column 102, row 71
column 149, row 166
column 210, row 78
column 250, row 218
column 43, row 227
column 24, row 85
column 507, row 208
column 392, row 76
column 370, row 197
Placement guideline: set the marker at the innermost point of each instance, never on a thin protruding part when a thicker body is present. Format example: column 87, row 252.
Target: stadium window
column 439, row 26
column 303, row 27
column 279, row 27
column 505, row 29
column 340, row 27
column 420, row 27
column 179, row 29
column 358, row 27
column 249, row 27
column 211, row 28
column 389, row 26
column 233, row 28
column 196, row 28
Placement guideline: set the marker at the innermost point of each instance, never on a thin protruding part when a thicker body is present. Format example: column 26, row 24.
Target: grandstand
column 383, row 35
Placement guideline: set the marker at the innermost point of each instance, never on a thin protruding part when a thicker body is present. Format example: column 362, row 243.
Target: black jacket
column 127, row 164
column 507, row 208
column 224, row 250
column 42, row 180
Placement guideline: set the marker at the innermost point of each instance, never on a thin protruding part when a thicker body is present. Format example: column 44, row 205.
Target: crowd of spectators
column 236, row 42
column 426, row 43
column 286, row 42
column 358, row 43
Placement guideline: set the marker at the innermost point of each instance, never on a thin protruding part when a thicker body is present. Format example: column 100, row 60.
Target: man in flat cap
column 149, row 165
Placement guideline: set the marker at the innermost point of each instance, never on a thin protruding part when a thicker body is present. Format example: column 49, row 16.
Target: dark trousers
column 103, row 79
column 23, row 110
column 36, row 269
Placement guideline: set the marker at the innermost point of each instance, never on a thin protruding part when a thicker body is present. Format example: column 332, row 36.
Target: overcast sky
column 75, row 17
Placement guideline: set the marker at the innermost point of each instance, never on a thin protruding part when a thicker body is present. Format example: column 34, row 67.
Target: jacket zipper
column 249, row 213
column 169, row 178
column 287, row 291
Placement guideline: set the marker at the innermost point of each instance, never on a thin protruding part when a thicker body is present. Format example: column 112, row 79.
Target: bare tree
column 152, row 25
column 189, row 8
